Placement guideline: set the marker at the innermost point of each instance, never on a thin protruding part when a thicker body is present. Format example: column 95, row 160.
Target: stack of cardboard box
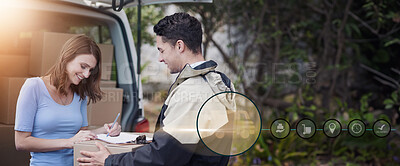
column 14, row 66
column 106, row 110
column 10, row 156
column 9, row 86
column 45, row 48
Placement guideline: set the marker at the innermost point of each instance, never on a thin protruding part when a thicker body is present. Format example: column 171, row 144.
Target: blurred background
column 297, row 59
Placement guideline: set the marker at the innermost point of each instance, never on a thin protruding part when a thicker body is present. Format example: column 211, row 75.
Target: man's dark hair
column 180, row 26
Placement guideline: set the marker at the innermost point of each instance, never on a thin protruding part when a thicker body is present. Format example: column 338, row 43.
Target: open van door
column 152, row 2
column 25, row 23
column 127, row 57
column 133, row 118
column 132, row 122
column 116, row 4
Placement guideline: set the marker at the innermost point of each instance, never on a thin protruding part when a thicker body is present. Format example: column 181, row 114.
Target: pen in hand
column 113, row 124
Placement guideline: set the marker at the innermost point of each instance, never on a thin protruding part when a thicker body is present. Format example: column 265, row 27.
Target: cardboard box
column 9, row 88
column 107, row 54
column 112, row 148
column 14, row 66
column 9, row 155
column 108, row 84
column 14, row 42
column 106, row 110
column 45, row 49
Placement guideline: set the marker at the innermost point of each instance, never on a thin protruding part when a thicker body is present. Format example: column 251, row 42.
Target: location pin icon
column 332, row 127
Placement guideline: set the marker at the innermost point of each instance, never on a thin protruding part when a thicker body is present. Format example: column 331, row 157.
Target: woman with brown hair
column 51, row 110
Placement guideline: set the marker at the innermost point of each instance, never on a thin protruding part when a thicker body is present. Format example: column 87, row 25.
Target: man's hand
column 94, row 158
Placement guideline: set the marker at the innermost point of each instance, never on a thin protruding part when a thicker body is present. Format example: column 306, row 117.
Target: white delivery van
column 31, row 35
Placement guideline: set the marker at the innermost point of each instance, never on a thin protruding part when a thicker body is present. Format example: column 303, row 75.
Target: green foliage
column 374, row 10
column 364, row 102
column 290, row 31
column 142, row 67
column 100, row 34
column 392, row 101
column 391, row 42
column 151, row 14
column 113, row 71
column 340, row 150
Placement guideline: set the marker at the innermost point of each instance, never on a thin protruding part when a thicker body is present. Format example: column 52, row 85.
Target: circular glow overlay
column 228, row 123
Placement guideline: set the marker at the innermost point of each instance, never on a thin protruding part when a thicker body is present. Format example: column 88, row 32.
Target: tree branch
column 396, row 71
column 320, row 11
column 394, row 29
column 262, row 14
column 362, row 40
column 225, row 56
column 380, row 74
column 340, row 42
column 326, row 40
column 364, row 23
column 249, row 49
column 385, row 82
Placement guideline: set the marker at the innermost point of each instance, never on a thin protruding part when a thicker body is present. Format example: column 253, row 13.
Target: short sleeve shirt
column 39, row 114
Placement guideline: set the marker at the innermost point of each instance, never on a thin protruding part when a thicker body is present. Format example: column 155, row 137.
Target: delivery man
column 175, row 140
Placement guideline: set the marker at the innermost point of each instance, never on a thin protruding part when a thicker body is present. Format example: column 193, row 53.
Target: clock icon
column 356, row 128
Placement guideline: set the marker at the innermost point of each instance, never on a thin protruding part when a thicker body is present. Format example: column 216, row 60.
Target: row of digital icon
column 306, row 128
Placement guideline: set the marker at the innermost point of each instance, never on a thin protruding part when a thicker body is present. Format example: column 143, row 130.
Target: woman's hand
column 114, row 131
column 82, row 135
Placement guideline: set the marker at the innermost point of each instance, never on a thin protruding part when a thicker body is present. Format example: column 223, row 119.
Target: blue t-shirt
column 39, row 114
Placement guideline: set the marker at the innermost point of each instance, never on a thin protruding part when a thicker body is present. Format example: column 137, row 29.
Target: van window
column 99, row 33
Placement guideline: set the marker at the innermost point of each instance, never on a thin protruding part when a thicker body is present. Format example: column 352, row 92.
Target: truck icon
column 280, row 128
